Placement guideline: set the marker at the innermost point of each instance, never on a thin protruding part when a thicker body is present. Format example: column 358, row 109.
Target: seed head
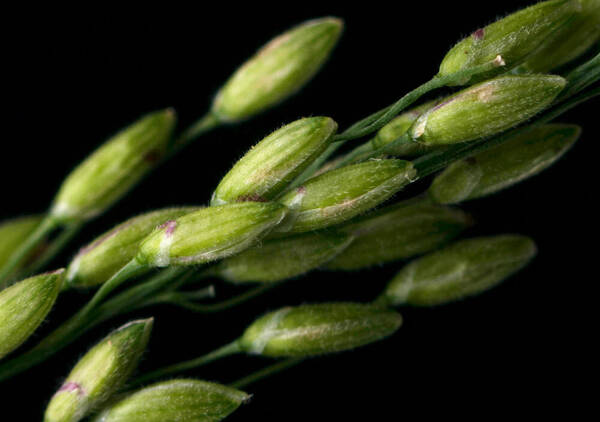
column 180, row 400
column 114, row 168
column 509, row 41
column 99, row 260
column 310, row 330
column 463, row 269
column 275, row 161
column 23, row 307
column 498, row 168
column 100, row 373
column 572, row 40
column 339, row 195
column 486, row 109
column 278, row 70
column 280, row 259
column 209, row 234
column 399, row 231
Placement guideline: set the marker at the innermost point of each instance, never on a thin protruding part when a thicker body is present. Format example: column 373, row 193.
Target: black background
column 73, row 77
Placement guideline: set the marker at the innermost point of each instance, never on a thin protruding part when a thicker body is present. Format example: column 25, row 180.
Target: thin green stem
column 135, row 297
column 266, row 372
column 179, row 299
column 207, row 122
column 227, row 350
column 56, row 247
column 130, row 270
column 387, row 114
column 47, row 225
column 582, row 77
column 382, row 117
column 70, row 329
column 394, row 109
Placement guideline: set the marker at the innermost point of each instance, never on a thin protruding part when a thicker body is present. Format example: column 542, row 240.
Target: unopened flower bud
column 571, row 41
column 114, row 168
column 275, row 161
column 486, row 109
column 13, row 233
column 278, row 70
column 280, row 259
column 509, row 41
column 501, row 167
column 107, row 254
column 398, row 127
column 463, row 269
column 209, row 234
column 397, row 232
column 100, row 373
column 341, row 194
column 181, row 400
column 23, row 307
column 309, row 330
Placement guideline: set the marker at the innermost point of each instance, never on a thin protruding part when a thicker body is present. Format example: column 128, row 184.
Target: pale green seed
column 179, row 400
column 108, row 253
column 310, row 330
column 339, row 195
column 277, row 70
column 114, row 168
column 486, row 109
column 571, row 41
column 100, row 373
column 209, row 234
column 23, row 307
column 275, row 161
column 463, row 269
column 280, row 259
column 400, row 231
column 509, row 41
column 499, row 168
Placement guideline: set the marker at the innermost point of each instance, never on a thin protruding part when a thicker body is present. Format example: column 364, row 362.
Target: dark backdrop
column 73, row 77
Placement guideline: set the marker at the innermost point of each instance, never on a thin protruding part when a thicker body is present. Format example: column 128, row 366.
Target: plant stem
column 70, row 329
column 581, row 77
column 385, row 115
column 47, row 225
column 266, row 372
column 202, row 125
column 130, row 270
column 382, row 117
column 180, row 299
column 227, row 350
column 55, row 248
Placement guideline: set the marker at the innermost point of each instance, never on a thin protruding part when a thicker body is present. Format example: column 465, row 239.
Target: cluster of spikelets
column 306, row 211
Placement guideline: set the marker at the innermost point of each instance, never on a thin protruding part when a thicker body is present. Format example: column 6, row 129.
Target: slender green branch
column 266, row 372
column 55, row 248
column 130, row 270
column 47, row 225
column 377, row 120
column 181, row 299
column 70, row 329
column 199, row 127
column 227, row 350
column 582, row 77
column 387, row 114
